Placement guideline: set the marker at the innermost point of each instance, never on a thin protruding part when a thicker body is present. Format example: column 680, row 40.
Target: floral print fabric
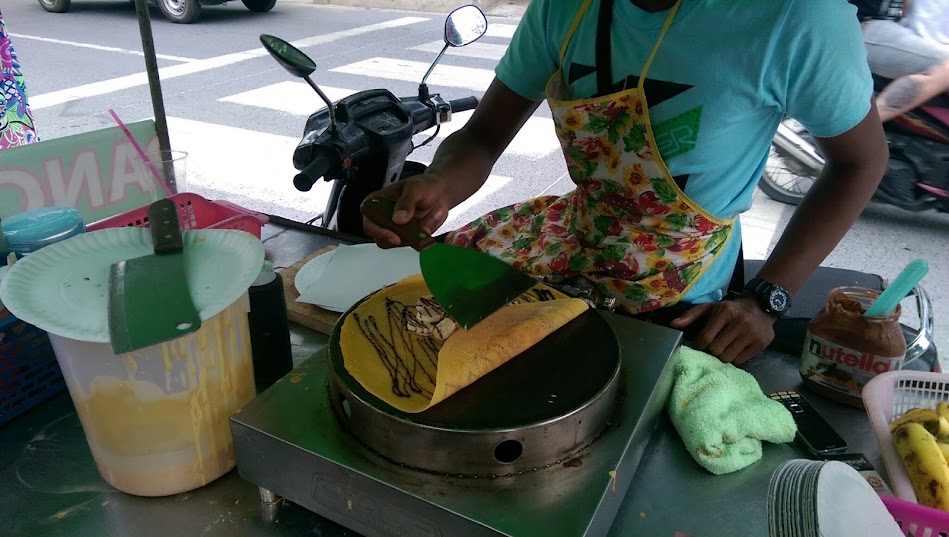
column 16, row 119
column 627, row 227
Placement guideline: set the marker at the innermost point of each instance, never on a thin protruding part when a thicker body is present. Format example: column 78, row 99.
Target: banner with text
column 98, row 173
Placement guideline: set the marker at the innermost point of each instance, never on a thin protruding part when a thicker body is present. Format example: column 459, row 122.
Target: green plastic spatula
column 468, row 284
column 898, row 289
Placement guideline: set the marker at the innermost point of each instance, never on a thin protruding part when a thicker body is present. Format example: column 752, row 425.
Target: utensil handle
column 898, row 289
column 380, row 210
column 166, row 230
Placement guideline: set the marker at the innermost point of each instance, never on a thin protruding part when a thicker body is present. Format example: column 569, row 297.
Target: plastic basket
column 29, row 372
column 889, row 396
column 917, row 520
column 194, row 212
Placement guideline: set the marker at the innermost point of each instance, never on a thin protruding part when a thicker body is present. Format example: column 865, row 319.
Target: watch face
column 778, row 300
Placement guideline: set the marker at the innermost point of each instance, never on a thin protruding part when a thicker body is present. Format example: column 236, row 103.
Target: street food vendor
column 16, row 119
column 665, row 110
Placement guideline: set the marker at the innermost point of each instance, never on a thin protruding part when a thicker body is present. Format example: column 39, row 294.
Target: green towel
column 721, row 413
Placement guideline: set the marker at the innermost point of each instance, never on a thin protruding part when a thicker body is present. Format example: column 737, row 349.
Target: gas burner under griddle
column 537, row 409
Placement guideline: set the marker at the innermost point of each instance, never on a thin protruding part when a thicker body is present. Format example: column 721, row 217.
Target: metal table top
column 50, row 485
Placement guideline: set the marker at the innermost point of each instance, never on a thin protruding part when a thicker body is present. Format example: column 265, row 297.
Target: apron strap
column 604, row 55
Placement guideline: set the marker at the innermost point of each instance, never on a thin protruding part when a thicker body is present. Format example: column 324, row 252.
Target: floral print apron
column 16, row 119
column 627, row 227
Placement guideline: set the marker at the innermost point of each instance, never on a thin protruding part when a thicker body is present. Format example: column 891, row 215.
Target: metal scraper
column 149, row 298
column 468, row 284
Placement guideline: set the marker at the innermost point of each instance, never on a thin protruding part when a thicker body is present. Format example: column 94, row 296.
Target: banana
column 925, row 464
column 933, row 421
column 945, row 450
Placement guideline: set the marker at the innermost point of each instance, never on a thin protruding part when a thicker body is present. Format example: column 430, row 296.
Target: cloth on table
column 721, row 414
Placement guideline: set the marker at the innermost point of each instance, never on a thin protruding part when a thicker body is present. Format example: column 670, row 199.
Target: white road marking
column 96, row 89
column 259, row 167
column 487, row 51
column 291, row 97
column 101, row 47
column 501, row 30
column 534, row 141
column 477, row 205
column 760, row 224
column 409, row 71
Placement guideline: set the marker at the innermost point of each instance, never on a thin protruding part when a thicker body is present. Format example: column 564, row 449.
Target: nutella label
column 840, row 368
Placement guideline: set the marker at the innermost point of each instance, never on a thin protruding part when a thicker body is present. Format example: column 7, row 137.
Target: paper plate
column 847, row 505
column 64, row 288
column 312, row 271
column 356, row 271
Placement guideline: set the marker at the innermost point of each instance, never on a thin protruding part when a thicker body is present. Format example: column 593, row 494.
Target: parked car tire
column 180, row 11
column 55, row 6
column 260, row 6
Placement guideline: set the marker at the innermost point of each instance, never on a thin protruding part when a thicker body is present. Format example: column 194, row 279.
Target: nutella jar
column 844, row 349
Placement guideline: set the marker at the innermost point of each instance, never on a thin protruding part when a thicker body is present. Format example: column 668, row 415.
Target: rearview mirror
column 290, row 57
column 465, row 25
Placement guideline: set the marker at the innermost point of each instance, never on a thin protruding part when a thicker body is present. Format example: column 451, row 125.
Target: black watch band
column 772, row 298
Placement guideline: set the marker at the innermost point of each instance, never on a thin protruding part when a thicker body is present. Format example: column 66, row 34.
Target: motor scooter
column 361, row 142
column 916, row 179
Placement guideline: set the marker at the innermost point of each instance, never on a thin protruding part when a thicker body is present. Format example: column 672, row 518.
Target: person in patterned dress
column 665, row 111
column 16, row 118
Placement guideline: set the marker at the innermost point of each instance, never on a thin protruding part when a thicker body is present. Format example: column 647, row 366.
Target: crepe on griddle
column 413, row 373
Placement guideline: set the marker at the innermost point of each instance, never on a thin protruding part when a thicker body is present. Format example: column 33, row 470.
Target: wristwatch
column 772, row 298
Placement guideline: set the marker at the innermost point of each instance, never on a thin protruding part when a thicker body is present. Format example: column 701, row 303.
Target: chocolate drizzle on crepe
column 421, row 353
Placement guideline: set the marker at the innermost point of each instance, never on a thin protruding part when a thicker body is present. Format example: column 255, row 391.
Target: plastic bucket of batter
column 156, row 419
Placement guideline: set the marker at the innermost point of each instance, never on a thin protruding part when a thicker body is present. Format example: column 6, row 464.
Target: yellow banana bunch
column 925, row 462
column 935, row 421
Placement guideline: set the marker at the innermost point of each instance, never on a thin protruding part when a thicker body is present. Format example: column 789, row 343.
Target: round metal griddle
column 537, row 409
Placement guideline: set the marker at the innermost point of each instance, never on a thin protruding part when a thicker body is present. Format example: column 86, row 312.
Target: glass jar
column 844, row 349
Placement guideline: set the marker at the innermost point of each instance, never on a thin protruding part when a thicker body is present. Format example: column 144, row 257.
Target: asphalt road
column 240, row 115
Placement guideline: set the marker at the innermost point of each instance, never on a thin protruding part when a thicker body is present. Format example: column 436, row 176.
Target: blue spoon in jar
column 898, row 289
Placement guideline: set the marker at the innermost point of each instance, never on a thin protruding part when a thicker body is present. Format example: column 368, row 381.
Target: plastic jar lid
column 29, row 231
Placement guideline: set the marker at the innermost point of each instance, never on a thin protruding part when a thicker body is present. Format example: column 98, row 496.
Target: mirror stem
column 434, row 63
column 329, row 103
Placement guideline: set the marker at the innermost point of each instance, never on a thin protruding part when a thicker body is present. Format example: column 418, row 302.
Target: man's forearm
column 828, row 211
column 463, row 164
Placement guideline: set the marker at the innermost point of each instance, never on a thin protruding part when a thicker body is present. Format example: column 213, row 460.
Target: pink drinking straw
column 141, row 153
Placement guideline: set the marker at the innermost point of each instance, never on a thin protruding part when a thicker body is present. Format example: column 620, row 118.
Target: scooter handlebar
column 463, row 104
column 313, row 171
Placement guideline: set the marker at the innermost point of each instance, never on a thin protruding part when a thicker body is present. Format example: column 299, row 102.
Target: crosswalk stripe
column 291, row 97
column 534, row 141
column 501, row 30
column 97, row 89
column 475, row 206
column 487, row 51
column 409, row 71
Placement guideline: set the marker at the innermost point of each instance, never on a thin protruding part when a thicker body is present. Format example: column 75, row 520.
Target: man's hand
column 734, row 331
column 421, row 198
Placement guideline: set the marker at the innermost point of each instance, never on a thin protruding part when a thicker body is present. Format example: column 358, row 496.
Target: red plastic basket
column 917, row 520
column 194, row 212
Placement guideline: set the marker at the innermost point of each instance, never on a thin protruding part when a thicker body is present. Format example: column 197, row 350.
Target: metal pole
column 154, row 86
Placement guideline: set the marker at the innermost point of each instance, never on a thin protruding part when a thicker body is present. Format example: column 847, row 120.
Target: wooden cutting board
column 308, row 315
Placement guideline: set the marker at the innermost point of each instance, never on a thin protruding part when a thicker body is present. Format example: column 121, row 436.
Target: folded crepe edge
column 470, row 354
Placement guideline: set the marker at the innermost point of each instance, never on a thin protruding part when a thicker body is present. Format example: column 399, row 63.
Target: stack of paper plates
column 825, row 499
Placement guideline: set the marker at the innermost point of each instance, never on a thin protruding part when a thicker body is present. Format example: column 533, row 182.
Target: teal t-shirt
column 725, row 75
